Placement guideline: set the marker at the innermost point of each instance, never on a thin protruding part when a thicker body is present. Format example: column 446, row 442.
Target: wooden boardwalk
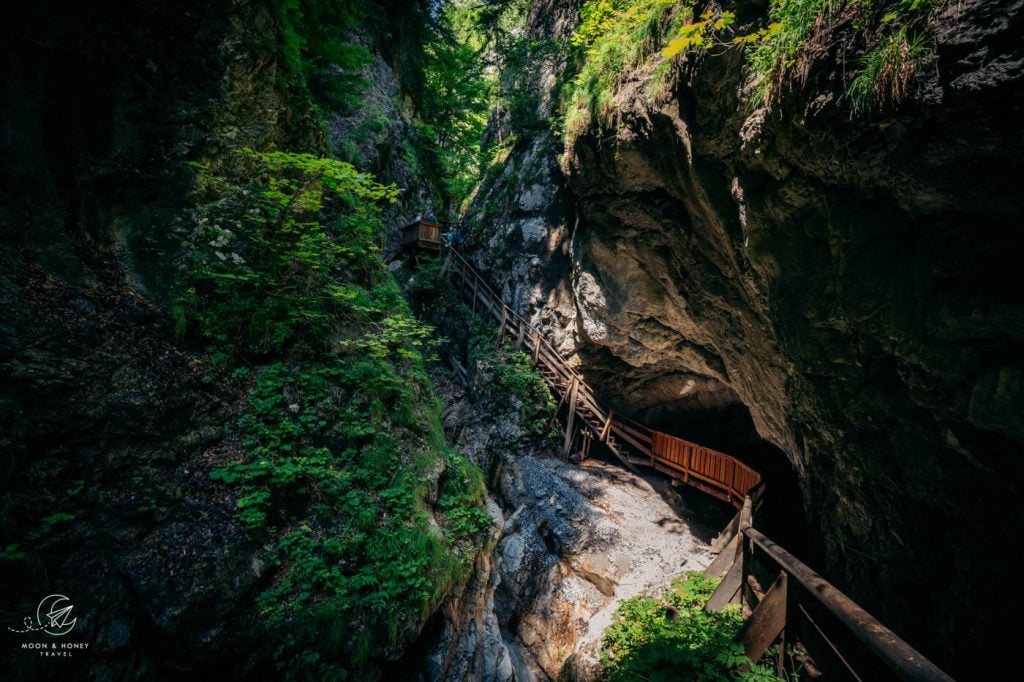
column 818, row 632
column 713, row 472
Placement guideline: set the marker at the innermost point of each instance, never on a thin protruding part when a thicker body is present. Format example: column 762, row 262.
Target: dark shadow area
column 730, row 429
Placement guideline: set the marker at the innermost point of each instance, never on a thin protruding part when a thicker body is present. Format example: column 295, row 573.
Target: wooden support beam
column 571, row 418
column 501, row 328
column 767, row 621
column 585, row 445
column 728, row 533
column 725, row 559
column 536, row 346
column 728, row 591
column 607, row 426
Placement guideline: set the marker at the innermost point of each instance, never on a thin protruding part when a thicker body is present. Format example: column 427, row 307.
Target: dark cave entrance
column 731, row 430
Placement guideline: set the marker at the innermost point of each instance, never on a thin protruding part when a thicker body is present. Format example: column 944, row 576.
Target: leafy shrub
column 340, row 432
column 266, row 267
column 515, row 384
column 673, row 638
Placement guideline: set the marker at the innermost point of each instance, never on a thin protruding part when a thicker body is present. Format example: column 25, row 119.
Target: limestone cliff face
column 851, row 282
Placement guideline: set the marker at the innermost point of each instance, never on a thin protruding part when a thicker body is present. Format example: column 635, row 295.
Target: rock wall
column 109, row 425
column 849, row 281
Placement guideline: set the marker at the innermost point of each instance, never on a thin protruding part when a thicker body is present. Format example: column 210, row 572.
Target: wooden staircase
column 818, row 632
column 586, row 421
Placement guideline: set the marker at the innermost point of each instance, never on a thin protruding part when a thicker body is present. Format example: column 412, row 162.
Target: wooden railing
column 713, row 472
column 816, row 628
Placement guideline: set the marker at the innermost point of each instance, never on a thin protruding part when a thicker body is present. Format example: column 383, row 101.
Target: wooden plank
column 728, row 533
column 723, row 562
column 767, row 621
column 645, row 449
column 728, row 590
column 607, row 426
column 646, row 437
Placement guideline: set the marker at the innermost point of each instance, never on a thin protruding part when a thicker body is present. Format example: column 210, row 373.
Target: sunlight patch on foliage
column 341, row 439
column 673, row 638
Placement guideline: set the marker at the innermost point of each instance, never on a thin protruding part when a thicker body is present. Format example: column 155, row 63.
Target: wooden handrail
column 901, row 658
column 713, row 472
column 789, row 604
column 795, row 588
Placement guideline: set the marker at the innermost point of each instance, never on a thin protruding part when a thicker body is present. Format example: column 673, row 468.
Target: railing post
column 572, row 416
column 607, row 426
column 732, row 479
column 536, row 346
column 687, row 462
column 501, row 328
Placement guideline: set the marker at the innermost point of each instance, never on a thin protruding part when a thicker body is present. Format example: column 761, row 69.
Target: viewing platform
column 424, row 235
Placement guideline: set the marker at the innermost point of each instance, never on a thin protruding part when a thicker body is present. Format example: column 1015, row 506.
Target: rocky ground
column 570, row 544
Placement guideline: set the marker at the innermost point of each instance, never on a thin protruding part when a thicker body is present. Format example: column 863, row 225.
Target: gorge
column 788, row 231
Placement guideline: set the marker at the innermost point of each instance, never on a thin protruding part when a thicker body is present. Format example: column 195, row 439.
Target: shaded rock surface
column 109, row 424
column 851, row 283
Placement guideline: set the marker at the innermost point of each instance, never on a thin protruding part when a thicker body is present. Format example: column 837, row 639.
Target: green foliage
column 518, row 99
column 699, row 35
column 12, row 552
column 773, row 53
column 461, row 490
column 516, row 384
column 266, row 268
column 340, row 450
column 58, row 518
column 340, row 438
column 620, row 36
column 458, row 98
column 673, row 638
column 614, row 37
column 887, row 72
column 782, row 51
column 319, row 60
